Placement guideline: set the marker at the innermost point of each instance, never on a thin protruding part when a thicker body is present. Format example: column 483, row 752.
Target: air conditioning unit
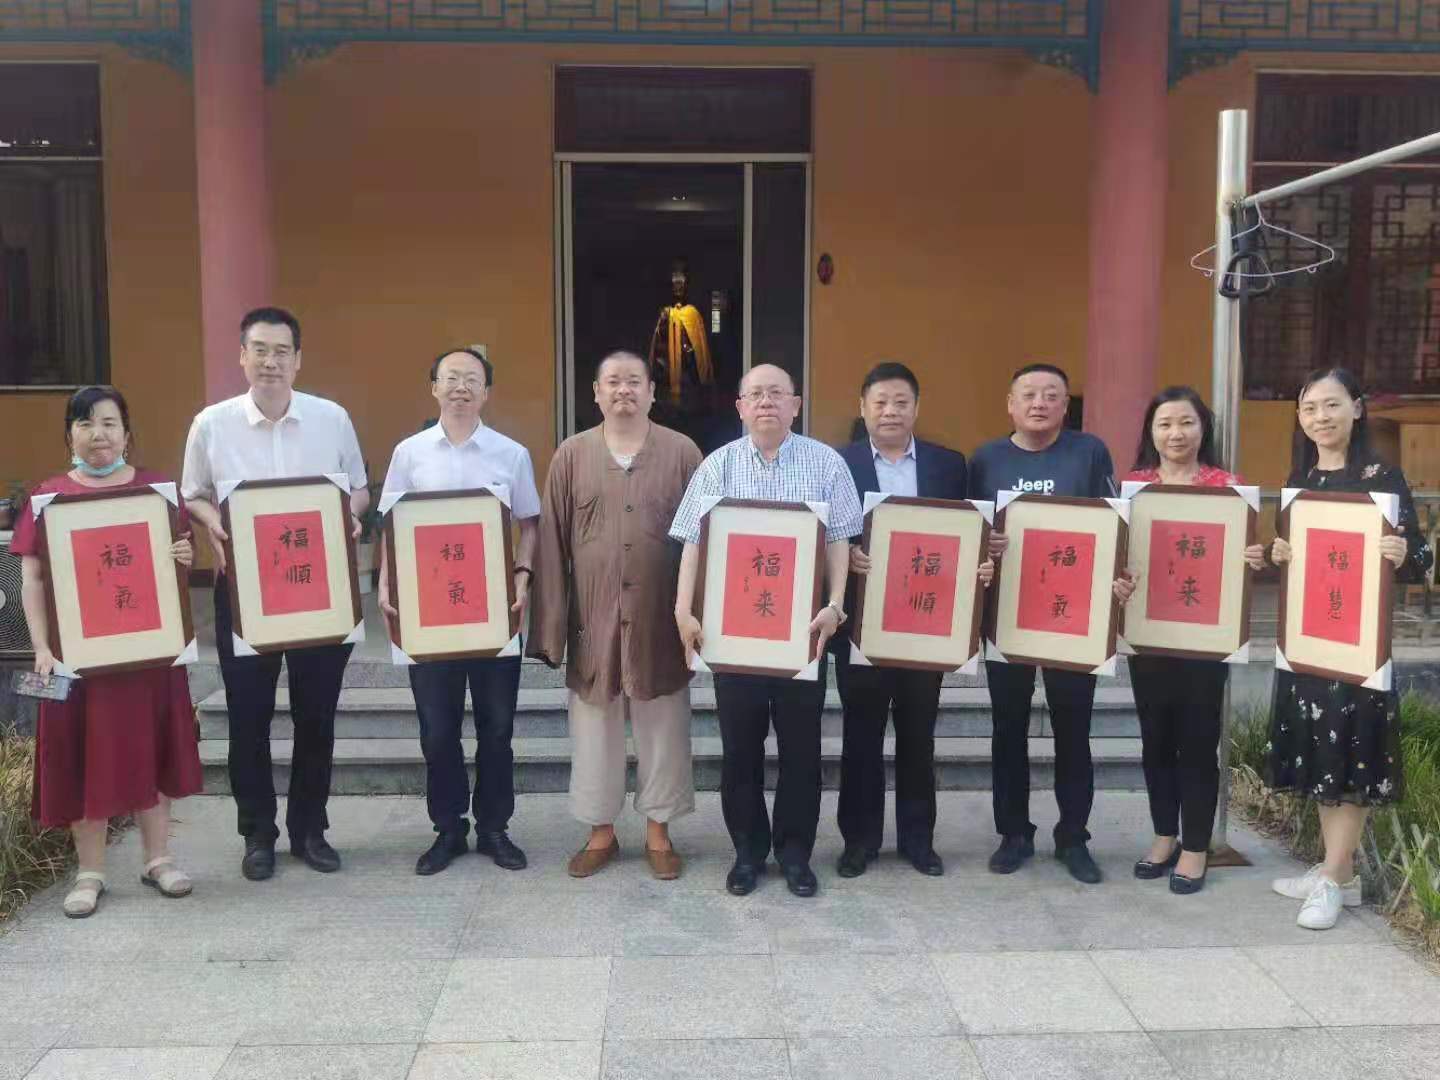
column 14, row 634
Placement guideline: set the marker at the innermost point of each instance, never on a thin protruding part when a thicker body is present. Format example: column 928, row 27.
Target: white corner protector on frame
column 1005, row 498
column 188, row 655
column 810, row 672
column 986, row 508
column 62, row 668
column 1130, row 488
column 971, row 666
column 1281, row 664
column 858, row 657
column 1287, row 496
column 1240, row 655
column 357, row 635
column 399, row 657
column 1250, row 493
column 1382, row 679
column 822, row 511
column 225, row 488
column 1389, row 504
column 874, row 499
column 708, row 503
column 39, row 502
column 1107, row 668
column 241, row 646
column 500, row 491
column 1123, row 647
column 512, row 647
column 167, row 492
column 1121, row 507
column 340, row 480
column 992, row 652
column 697, row 663
column 388, row 499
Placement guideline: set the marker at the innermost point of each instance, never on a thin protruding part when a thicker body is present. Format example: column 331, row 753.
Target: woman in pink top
column 1179, row 700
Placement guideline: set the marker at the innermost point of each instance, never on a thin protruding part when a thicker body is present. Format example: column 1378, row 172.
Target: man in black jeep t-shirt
column 1043, row 457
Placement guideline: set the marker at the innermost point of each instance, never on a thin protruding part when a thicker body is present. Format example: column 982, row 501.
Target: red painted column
column 1129, row 151
column 237, row 244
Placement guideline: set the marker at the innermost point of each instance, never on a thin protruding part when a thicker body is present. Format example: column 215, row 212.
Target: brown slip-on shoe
column 664, row 865
column 589, row 861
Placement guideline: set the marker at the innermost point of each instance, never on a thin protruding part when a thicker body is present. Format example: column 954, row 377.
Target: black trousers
column 315, row 676
column 870, row 696
column 439, row 688
column 1180, row 702
column 747, row 705
column 1071, row 697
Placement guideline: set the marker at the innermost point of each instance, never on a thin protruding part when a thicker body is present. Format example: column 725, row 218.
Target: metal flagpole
column 1423, row 145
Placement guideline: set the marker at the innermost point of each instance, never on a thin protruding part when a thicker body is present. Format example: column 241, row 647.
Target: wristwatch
column 839, row 612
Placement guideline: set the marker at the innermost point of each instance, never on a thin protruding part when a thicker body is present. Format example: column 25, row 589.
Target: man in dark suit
column 890, row 459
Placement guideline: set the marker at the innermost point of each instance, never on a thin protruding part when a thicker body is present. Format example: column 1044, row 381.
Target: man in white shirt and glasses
column 270, row 432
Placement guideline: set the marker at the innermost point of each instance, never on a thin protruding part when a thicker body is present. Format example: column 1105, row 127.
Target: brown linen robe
column 605, row 568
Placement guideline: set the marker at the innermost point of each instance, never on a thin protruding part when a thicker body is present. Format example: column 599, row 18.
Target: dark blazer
column 939, row 474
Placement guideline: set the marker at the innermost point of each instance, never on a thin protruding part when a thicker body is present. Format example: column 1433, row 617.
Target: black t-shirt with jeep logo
column 1075, row 464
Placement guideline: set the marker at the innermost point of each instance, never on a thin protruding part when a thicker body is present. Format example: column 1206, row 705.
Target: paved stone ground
column 374, row 974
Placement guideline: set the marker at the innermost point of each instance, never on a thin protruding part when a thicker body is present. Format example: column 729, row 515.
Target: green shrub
column 30, row 857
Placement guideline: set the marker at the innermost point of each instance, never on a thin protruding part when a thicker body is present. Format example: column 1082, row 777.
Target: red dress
column 1209, row 476
column 119, row 741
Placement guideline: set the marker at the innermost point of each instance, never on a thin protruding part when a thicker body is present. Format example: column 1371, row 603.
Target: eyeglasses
column 470, row 382
column 766, row 393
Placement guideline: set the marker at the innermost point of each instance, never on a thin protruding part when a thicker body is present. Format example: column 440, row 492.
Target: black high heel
column 1146, row 870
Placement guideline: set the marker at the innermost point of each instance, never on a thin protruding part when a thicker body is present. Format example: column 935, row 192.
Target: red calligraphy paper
column 1182, row 582
column 290, row 551
column 759, row 586
column 1057, row 570
column 920, row 583
column 1334, row 574
column 450, row 565
column 115, row 580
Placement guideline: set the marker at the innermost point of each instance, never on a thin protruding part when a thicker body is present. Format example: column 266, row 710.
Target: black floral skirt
column 1334, row 742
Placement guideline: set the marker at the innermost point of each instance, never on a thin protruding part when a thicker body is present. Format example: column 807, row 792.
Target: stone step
column 388, row 713
column 395, row 767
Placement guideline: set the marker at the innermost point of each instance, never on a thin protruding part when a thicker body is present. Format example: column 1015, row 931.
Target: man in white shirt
column 270, row 432
column 461, row 452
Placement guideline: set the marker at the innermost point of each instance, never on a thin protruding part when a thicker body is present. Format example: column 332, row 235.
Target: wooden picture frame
column 1187, row 554
column 735, row 600
column 1335, row 543
column 115, row 598
column 451, row 565
column 1057, row 541
column 900, row 618
column 278, row 598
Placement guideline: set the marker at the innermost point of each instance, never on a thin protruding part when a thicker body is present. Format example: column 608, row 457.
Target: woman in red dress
column 120, row 743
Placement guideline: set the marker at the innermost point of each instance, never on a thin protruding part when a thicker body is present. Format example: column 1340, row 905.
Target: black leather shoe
column 1077, row 860
column 927, row 861
column 500, row 848
column 743, row 878
column 1146, row 870
column 315, row 852
column 1181, row 885
column 1013, row 851
column 259, row 861
column 800, row 879
column 446, row 847
column 854, row 861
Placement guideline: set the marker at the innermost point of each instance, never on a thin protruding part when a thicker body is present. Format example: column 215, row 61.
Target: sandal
column 169, row 881
column 81, row 901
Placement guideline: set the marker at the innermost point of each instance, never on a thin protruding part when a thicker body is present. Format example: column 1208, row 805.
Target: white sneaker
column 1300, row 888
column 1322, row 907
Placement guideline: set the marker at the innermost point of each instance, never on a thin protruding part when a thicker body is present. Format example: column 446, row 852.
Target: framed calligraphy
column 451, row 565
column 116, row 599
column 1053, row 604
column 1336, row 591
column 920, row 604
column 1187, row 555
column 758, row 587
column 290, row 558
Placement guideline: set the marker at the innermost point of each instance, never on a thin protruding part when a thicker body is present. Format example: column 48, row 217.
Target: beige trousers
column 665, row 782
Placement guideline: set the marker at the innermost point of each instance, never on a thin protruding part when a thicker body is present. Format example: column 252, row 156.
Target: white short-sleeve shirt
column 429, row 461
column 233, row 440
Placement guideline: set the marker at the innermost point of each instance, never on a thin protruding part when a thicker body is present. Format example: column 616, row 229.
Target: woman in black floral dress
column 1334, row 742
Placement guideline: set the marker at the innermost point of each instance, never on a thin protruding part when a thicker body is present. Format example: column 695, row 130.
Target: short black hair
column 275, row 316
column 471, row 350
column 1147, row 456
column 82, row 406
column 621, row 355
column 1045, row 369
column 887, row 370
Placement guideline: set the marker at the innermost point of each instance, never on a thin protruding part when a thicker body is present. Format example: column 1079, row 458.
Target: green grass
column 30, row 857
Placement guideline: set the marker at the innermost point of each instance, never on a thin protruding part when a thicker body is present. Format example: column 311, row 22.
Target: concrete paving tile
column 981, row 916
column 716, row 1059
column 1311, row 1054
column 521, row 922
column 946, row 1057
column 1356, row 984
column 1391, row 1053
column 132, row 1063
column 349, row 1002
column 681, row 924
column 16, row 1061
column 386, row 1062
column 845, row 995
column 192, row 1004
column 42, row 1000
column 842, row 919
column 507, row 1061
column 1199, row 990
column 1030, row 993
column 1075, row 1056
column 522, row 1000
column 693, row 997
